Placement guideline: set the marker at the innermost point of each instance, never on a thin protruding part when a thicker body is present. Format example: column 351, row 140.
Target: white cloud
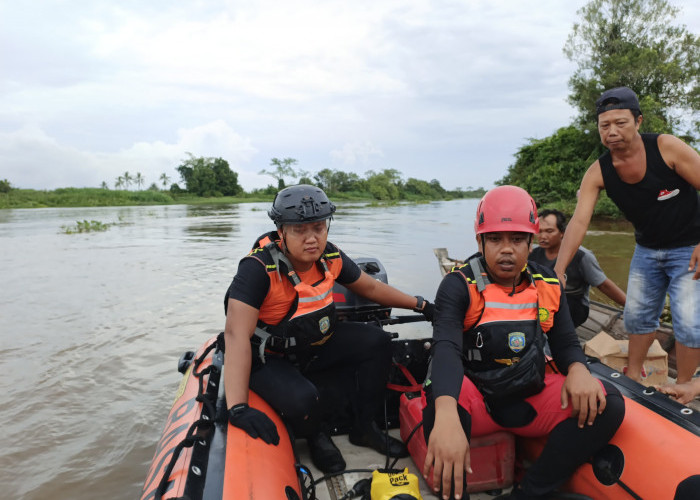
column 32, row 159
column 356, row 152
column 444, row 89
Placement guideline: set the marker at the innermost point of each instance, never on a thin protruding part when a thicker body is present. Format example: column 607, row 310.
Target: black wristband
column 236, row 409
column 420, row 304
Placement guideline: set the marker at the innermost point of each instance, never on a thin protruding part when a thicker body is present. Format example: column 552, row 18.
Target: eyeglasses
column 317, row 229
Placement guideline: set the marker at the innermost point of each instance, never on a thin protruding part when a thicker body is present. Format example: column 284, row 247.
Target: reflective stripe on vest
column 540, row 297
column 505, row 305
column 284, row 290
column 314, row 298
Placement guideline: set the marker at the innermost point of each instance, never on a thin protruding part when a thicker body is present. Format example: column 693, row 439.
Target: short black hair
column 561, row 218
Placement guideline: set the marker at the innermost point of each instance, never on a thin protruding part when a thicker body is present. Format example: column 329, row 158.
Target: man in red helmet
column 490, row 318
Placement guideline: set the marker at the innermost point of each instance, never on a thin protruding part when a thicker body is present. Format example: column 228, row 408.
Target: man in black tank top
column 654, row 180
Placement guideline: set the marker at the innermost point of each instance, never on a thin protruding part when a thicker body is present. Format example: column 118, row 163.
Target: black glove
column 424, row 307
column 429, row 311
column 254, row 422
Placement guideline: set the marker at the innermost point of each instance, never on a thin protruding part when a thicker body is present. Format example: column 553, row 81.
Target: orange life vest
column 298, row 310
column 503, row 331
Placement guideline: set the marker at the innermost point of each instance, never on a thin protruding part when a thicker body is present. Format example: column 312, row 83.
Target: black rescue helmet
column 299, row 204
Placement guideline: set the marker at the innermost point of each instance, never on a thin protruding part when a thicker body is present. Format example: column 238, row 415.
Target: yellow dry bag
column 395, row 486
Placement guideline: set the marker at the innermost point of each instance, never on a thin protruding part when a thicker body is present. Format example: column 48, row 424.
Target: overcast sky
column 436, row 89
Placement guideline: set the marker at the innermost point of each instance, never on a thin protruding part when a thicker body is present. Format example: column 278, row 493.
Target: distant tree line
column 213, row 177
column 632, row 43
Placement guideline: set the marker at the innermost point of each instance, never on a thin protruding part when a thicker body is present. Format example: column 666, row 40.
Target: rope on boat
column 202, row 426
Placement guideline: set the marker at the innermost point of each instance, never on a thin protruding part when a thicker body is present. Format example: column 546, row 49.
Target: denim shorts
column 653, row 273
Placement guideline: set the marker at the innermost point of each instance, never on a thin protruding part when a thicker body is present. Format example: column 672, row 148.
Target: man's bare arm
column 609, row 288
column 683, row 159
column 591, row 186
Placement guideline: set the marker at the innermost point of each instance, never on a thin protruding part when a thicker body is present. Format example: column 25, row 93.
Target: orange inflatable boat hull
column 204, row 457
column 656, row 447
column 186, row 410
column 654, row 458
column 255, row 469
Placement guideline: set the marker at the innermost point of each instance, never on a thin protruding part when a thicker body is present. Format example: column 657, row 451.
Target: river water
column 92, row 324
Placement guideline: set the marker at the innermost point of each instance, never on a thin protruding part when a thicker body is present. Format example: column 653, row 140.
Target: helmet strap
column 515, row 282
column 283, row 238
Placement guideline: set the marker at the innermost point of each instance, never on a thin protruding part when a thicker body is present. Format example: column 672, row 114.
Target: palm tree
column 283, row 168
column 139, row 180
column 127, row 179
column 104, row 185
column 120, row 182
column 164, row 179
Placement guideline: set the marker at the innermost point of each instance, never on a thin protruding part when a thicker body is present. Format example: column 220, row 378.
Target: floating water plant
column 85, row 226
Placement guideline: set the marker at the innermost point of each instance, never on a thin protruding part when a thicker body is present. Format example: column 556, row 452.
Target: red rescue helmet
column 507, row 208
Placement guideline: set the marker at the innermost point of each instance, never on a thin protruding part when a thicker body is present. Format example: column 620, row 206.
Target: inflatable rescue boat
column 201, row 456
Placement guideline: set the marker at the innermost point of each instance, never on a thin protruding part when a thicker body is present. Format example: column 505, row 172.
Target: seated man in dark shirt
column 583, row 272
column 490, row 315
column 282, row 335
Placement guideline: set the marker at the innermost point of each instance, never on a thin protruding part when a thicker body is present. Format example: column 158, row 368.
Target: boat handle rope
column 413, row 386
column 204, row 424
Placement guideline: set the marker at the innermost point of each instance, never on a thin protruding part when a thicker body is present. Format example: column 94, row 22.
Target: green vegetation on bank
column 80, row 197
column 382, row 191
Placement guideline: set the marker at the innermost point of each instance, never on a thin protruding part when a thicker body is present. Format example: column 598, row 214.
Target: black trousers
column 358, row 355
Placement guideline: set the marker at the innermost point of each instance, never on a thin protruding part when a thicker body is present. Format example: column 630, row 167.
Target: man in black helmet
column 653, row 179
column 281, row 331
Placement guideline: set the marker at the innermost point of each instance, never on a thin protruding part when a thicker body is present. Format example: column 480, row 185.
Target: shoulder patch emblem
column 544, row 314
column 324, row 324
column 516, row 341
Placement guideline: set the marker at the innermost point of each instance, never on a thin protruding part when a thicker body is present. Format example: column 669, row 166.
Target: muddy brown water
column 92, row 324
